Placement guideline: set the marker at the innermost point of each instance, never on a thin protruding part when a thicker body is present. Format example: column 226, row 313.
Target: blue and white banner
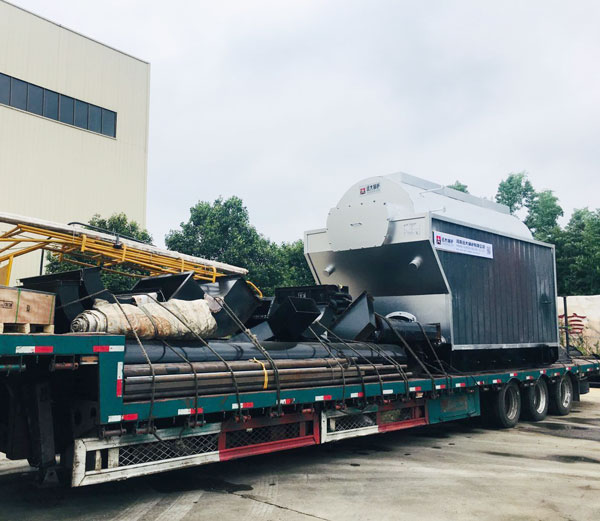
column 454, row 243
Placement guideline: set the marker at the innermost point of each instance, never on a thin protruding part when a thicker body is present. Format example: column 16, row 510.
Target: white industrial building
column 73, row 125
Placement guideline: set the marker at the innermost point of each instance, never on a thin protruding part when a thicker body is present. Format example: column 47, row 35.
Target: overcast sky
column 288, row 103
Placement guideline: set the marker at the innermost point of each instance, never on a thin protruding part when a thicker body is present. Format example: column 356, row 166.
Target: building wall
column 56, row 171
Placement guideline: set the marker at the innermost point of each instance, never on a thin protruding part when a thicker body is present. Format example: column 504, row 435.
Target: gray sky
column 287, row 103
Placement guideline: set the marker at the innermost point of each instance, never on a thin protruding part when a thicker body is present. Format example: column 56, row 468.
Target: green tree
column 516, row 191
column 542, row 218
column 293, row 266
column 120, row 225
column 457, row 185
column 222, row 231
column 578, row 254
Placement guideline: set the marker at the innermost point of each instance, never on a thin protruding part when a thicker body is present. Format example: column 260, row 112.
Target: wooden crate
column 26, row 311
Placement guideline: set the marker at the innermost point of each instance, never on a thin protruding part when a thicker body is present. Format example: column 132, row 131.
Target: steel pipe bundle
column 178, row 380
column 177, row 352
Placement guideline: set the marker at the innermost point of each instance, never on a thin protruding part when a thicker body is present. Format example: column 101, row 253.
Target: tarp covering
column 148, row 319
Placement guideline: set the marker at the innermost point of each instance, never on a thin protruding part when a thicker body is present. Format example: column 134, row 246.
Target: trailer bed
column 224, row 427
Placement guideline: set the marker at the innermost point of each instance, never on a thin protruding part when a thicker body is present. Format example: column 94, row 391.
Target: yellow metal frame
column 23, row 239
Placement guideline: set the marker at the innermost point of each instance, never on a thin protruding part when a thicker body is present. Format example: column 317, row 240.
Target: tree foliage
column 578, row 254
column 457, row 185
column 516, row 191
column 118, row 224
column 222, row 231
column 543, row 214
column 577, row 244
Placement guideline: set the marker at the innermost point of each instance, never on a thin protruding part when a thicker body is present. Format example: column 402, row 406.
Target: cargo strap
column 439, row 362
column 196, row 391
column 410, row 350
column 326, row 347
column 398, row 367
column 256, row 344
column 207, row 345
column 151, row 428
column 359, row 355
column 264, row 368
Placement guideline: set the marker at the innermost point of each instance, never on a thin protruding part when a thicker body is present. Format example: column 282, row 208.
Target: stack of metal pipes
column 185, row 379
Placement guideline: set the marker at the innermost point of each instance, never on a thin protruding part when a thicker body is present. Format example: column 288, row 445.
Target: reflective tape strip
column 462, row 384
column 28, row 350
column 480, row 382
column 389, row 391
column 182, row 412
column 556, row 374
column 589, row 369
column 357, row 395
column 512, row 375
column 287, row 401
column 323, row 398
column 414, row 388
column 245, row 405
column 441, row 386
column 109, row 349
column 119, row 379
column 568, row 368
column 543, row 371
column 125, row 417
column 496, row 381
column 529, row 377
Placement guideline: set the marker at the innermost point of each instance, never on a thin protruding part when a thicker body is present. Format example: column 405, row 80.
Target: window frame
column 49, row 95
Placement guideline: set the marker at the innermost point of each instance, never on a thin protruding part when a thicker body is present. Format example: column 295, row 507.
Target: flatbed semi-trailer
column 64, row 395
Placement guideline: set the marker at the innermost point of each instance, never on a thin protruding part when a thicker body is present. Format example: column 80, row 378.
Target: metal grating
column 262, row 435
column 355, row 421
column 167, row 449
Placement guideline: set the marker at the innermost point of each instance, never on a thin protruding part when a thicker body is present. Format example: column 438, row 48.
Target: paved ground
column 544, row 471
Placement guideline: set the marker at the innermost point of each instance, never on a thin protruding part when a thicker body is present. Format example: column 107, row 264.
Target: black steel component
column 228, row 350
column 358, row 321
column 42, row 451
column 261, row 331
column 262, row 312
column 410, row 331
column 322, row 295
column 292, row 317
column 180, row 286
column 238, row 295
column 75, row 292
column 14, row 437
column 566, row 327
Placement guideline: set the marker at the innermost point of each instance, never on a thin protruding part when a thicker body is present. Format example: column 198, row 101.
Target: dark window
column 50, row 104
column 108, row 122
column 18, row 94
column 4, row 89
column 35, row 99
column 95, row 122
column 65, row 113
column 81, row 114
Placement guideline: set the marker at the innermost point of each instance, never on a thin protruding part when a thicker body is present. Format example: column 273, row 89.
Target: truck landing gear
column 534, row 401
column 561, row 396
column 502, row 408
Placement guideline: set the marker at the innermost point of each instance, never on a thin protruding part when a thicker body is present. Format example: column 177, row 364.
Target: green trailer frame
column 311, row 415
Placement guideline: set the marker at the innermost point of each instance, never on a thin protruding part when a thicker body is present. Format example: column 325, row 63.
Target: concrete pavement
column 459, row 471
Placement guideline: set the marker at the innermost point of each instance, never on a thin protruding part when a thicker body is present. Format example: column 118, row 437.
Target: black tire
column 505, row 406
column 561, row 396
column 535, row 400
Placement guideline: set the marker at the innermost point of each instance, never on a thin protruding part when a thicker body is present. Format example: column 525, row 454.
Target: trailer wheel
column 561, row 396
column 534, row 401
column 505, row 406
